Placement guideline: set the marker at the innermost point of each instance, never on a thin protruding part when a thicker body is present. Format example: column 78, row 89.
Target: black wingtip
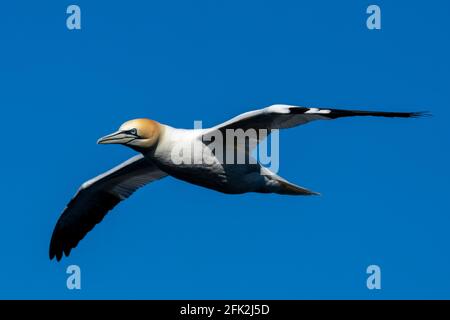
column 52, row 250
column 421, row 114
column 58, row 253
column 55, row 251
column 58, row 259
column 52, row 254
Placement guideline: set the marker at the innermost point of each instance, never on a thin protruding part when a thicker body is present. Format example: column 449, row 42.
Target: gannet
column 155, row 142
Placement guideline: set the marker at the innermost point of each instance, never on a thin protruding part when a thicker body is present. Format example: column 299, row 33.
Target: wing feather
column 286, row 116
column 281, row 116
column 96, row 198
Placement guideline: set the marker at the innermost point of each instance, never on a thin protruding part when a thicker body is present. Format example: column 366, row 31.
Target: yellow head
column 138, row 133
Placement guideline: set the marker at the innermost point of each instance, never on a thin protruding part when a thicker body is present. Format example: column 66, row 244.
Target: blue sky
column 384, row 182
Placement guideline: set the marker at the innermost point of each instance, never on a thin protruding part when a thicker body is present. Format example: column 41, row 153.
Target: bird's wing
column 96, row 197
column 282, row 116
column 285, row 116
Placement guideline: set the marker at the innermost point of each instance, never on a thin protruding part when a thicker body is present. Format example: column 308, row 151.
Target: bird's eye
column 133, row 131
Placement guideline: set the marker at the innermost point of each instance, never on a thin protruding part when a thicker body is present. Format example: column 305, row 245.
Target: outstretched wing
column 281, row 116
column 95, row 198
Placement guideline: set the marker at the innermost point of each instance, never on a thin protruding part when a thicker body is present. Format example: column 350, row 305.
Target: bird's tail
column 286, row 187
column 277, row 184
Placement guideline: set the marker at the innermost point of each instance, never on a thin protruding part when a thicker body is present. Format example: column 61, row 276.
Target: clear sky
column 384, row 182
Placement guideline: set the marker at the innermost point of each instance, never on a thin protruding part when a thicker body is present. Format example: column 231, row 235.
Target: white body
column 205, row 169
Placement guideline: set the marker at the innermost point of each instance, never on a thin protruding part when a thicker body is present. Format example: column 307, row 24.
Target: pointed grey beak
column 117, row 137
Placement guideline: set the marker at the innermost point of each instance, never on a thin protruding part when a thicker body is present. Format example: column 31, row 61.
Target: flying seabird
column 155, row 143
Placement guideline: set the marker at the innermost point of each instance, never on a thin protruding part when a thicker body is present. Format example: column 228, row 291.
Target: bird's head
column 137, row 134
